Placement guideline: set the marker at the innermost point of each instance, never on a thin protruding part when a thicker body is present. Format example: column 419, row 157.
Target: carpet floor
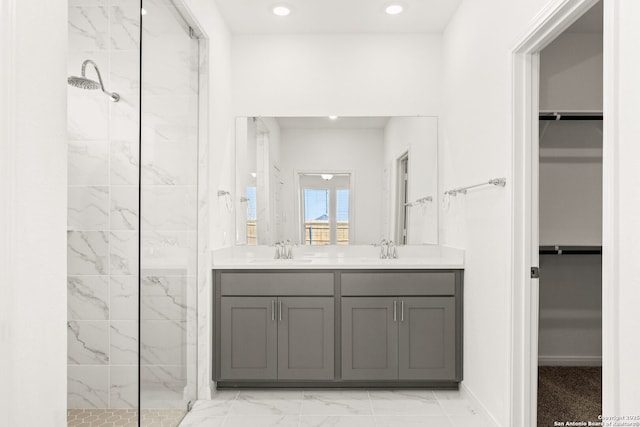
column 568, row 393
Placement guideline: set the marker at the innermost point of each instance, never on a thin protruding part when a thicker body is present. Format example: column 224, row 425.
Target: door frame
column 402, row 214
column 548, row 25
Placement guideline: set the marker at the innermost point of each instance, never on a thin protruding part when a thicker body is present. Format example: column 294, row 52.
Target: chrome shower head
column 85, row 83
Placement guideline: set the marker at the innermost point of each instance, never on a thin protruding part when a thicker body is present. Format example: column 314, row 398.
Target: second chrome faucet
column 388, row 249
column 284, row 250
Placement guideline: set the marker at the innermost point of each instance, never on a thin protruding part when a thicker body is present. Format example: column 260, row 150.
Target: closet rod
column 570, row 250
column 570, row 116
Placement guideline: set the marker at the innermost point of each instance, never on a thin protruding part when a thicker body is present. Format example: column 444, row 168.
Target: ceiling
column 336, row 16
column 326, row 123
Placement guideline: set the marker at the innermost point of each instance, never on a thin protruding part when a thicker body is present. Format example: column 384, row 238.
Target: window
column 325, row 200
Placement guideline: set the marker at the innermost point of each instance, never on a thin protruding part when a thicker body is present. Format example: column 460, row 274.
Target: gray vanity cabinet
column 305, row 338
column 407, row 338
column 352, row 327
column 276, row 338
column 369, row 338
column 249, row 338
column 401, row 326
column 426, row 342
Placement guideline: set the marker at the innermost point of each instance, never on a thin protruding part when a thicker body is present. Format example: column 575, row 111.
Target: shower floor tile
column 123, row 417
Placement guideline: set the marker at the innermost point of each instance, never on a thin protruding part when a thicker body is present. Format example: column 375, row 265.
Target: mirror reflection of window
column 342, row 216
column 325, row 200
column 252, row 232
column 316, row 217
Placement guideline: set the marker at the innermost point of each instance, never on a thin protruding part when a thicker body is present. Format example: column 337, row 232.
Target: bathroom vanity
column 338, row 322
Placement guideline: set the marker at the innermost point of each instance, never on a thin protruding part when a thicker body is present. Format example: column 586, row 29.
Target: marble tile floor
column 123, row 417
column 335, row 408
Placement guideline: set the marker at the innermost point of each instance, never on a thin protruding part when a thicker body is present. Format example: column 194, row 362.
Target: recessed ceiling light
column 394, row 9
column 281, row 10
column 333, row 117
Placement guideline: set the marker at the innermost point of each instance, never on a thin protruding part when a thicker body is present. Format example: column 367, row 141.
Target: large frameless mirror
column 336, row 180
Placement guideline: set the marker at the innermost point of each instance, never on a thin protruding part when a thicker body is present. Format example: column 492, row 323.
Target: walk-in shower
column 134, row 201
column 85, row 83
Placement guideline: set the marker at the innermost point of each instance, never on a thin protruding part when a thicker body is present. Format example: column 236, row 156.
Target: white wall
column 570, row 323
column 571, row 202
column 418, row 136
column 221, row 131
column 570, row 328
column 477, row 145
column 221, row 118
column 33, row 155
column 571, row 73
column 622, row 204
column 346, row 75
column 570, row 183
column 359, row 151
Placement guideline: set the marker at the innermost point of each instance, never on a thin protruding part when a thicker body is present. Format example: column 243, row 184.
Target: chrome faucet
column 278, row 254
column 288, row 249
column 384, row 249
column 392, row 250
column 388, row 249
column 284, row 250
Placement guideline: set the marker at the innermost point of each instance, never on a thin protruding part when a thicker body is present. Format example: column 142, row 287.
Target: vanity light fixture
column 281, row 10
column 394, row 8
column 326, row 176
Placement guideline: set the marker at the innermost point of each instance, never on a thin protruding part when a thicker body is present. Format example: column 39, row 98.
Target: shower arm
column 114, row 96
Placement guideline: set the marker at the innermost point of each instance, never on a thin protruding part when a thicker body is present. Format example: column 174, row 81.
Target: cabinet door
column 369, row 338
column 248, row 338
column 305, row 338
column 427, row 338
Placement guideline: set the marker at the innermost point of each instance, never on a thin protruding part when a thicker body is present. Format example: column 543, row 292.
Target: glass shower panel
column 169, row 213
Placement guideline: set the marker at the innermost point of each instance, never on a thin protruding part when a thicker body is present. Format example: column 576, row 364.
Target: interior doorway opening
column 570, row 136
column 556, row 18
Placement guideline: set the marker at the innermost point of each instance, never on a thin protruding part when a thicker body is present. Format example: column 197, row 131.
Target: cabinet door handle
column 273, row 309
column 402, row 311
column 395, row 305
column 280, row 310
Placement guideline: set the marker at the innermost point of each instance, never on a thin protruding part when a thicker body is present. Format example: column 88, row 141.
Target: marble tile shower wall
column 103, row 212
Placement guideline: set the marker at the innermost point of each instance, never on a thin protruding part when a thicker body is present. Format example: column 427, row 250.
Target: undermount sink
column 279, row 261
column 376, row 260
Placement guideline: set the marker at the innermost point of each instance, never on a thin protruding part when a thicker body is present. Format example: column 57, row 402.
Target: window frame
column 333, row 187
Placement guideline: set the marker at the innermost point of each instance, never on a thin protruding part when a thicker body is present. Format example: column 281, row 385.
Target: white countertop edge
column 336, row 266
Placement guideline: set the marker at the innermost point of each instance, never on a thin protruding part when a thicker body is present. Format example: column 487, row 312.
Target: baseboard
column 470, row 395
column 205, row 392
column 569, row 360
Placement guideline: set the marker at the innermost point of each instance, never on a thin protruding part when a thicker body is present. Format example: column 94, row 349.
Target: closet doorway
column 570, row 136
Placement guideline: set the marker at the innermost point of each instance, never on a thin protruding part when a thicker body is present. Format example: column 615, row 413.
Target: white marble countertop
column 338, row 257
